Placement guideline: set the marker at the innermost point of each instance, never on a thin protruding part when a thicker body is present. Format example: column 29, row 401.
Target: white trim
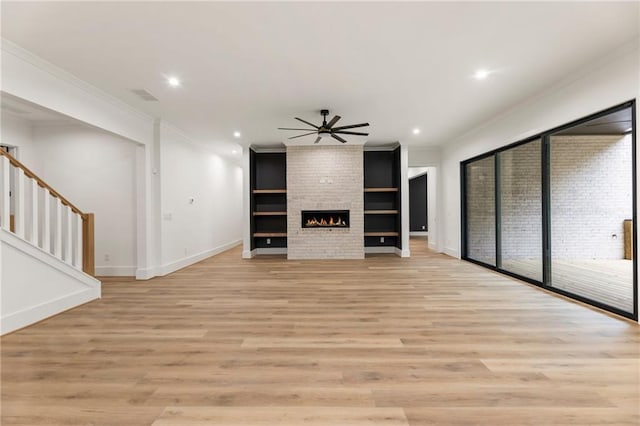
column 47, row 258
column 33, row 314
column 146, row 273
column 268, row 149
column 403, row 253
column 451, row 252
column 380, row 249
column 270, row 250
column 384, row 147
column 12, row 48
column 115, row 271
column 432, row 245
column 190, row 260
column 26, row 317
column 419, row 233
column 248, row 254
column 419, row 174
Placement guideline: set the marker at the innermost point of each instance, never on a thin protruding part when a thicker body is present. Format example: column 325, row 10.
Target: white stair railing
column 25, row 209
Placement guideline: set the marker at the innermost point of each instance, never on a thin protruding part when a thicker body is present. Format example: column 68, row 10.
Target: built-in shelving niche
column 382, row 218
column 268, row 199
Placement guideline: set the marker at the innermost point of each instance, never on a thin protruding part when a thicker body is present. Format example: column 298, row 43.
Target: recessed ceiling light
column 236, row 134
column 416, row 131
column 173, row 81
column 234, row 152
column 481, row 74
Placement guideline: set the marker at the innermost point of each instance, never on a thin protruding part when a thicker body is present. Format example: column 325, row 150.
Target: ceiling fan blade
column 352, row 126
column 306, row 122
column 333, row 121
column 338, row 138
column 290, row 128
column 318, row 139
column 306, row 134
column 342, row 132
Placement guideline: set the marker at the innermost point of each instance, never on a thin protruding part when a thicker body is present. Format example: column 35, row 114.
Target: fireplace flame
column 323, row 222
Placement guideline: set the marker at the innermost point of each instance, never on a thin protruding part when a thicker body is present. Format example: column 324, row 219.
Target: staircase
column 47, row 257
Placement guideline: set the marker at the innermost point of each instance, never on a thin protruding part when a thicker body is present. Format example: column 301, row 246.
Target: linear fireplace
column 325, row 218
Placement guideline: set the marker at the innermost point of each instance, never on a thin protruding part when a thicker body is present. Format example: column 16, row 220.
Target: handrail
column 42, row 183
column 84, row 256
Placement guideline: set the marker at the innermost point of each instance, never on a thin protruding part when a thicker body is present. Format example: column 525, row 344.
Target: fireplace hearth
column 325, row 218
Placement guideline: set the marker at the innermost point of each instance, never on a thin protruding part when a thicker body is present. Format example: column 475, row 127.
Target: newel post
column 88, row 245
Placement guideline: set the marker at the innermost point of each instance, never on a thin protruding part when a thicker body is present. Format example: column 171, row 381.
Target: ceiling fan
column 326, row 130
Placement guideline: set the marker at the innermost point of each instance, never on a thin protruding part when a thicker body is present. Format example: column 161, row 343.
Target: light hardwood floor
column 385, row 341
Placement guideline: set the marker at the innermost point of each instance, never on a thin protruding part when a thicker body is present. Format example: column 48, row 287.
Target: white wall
column 610, row 82
column 29, row 77
column 213, row 179
column 95, row 170
column 36, row 285
column 18, row 132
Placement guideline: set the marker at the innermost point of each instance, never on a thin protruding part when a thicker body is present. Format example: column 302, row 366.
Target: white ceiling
column 252, row 67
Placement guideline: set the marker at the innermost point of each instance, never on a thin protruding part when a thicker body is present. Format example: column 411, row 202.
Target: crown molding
column 9, row 47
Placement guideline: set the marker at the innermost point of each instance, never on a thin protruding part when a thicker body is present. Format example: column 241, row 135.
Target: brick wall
column 480, row 190
column 325, row 178
column 591, row 195
column 521, row 202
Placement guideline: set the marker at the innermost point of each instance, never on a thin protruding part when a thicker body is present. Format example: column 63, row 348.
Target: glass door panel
column 521, row 210
column 591, row 197
column 480, row 210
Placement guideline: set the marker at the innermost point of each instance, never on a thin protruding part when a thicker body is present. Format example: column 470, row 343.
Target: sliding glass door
column 558, row 210
column 591, row 197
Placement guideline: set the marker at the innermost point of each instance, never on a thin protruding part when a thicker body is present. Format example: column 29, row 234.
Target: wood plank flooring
column 607, row 281
column 383, row 341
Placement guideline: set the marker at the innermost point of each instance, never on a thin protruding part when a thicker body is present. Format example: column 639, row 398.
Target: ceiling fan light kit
column 326, row 129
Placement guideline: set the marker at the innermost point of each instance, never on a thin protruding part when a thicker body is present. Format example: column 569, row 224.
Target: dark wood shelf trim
column 270, row 234
column 381, row 190
column 381, row 234
column 269, row 191
column 269, row 213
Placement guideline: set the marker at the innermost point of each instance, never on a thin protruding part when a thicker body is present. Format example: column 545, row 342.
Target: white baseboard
column 146, row 273
column 403, row 252
column 271, row 250
column 419, row 234
column 381, row 249
column 115, row 271
column 37, row 285
column 190, row 260
column 432, row 246
column 21, row 319
column 387, row 249
column 452, row 252
column 248, row 254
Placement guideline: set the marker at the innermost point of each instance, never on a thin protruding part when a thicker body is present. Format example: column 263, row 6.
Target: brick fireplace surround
column 325, row 178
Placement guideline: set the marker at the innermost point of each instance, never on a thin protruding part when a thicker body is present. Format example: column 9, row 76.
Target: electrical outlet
column 382, row 239
column 185, row 251
column 268, row 241
column 107, row 258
